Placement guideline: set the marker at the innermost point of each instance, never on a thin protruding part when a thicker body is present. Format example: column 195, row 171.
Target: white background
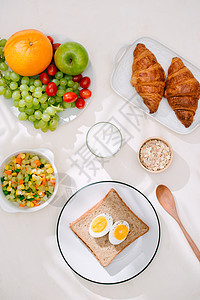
column 31, row 266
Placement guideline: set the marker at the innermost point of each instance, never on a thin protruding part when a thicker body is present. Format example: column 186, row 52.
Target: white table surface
column 31, row 266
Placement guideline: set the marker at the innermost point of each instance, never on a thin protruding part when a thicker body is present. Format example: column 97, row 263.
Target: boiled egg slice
column 118, row 232
column 100, row 225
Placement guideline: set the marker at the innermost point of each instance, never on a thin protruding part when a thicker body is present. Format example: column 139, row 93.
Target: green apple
column 71, row 58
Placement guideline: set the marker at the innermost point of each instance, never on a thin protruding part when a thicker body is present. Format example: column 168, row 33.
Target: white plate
column 132, row 260
column 68, row 114
column 120, row 82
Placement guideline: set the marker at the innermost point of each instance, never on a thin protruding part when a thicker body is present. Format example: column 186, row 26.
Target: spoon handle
column 190, row 240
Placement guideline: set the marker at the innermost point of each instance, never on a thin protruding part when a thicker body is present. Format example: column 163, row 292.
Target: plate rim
column 121, row 281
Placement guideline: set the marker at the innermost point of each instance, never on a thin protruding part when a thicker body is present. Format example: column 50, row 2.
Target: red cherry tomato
column 70, row 97
column 51, row 70
column 51, row 89
column 85, row 93
column 77, row 78
column 55, row 46
column 44, row 78
column 80, row 103
column 85, row 82
column 50, row 39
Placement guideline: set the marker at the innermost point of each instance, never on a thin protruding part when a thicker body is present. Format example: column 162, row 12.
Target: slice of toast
column 102, row 249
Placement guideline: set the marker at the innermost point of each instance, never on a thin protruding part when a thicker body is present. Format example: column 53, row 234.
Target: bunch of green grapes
column 30, row 97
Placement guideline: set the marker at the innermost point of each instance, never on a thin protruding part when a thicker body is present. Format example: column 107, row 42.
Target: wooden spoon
column 166, row 199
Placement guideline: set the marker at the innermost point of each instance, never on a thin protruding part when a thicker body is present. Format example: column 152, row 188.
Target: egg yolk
column 121, row 232
column 99, row 224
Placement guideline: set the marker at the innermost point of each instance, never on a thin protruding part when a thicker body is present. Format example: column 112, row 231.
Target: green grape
column 22, row 116
column 24, row 87
column 60, row 93
column 37, row 94
column 29, row 105
column 22, row 109
column 3, row 66
column 16, row 95
column 44, row 98
column 38, row 89
column 59, row 75
column 63, row 82
column 1, row 51
column 37, row 82
column 31, row 81
column 22, row 103
column 16, row 103
column 35, row 101
column 52, row 128
column 24, row 94
column 53, row 123
column 13, row 85
column 44, row 87
column 66, row 105
column 29, row 99
column 68, row 77
column 29, row 111
column 38, row 114
column 2, row 81
column 58, row 99
column 31, row 118
column 7, row 94
column 51, row 101
column 14, row 76
column 42, row 124
column 73, row 104
column 32, row 88
column 70, row 83
column 69, row 90
column 44, row 105
column 51, row 111
column 76, row 92
column 25, row 80
column 56, row 117
column 7, row 75
column 45, row 117
column 36, row 107
column 2, row 90
column 76, row 86
column 56, row 81
column 45, row 129
column 3, row 42
column 36, row 124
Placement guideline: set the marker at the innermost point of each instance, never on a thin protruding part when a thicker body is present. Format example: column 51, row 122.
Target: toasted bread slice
column 113, row 205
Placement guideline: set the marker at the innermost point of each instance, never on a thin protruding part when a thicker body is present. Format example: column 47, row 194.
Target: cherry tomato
column 55, row 46
column 44, row 78
column 85, row 93
column 50, row 39
column 51, row 70
column 70, row 97
column 80, row 103
column 85, row 82
column 51, row 89
column 77, row 78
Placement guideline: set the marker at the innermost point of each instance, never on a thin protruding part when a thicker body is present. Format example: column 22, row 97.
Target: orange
column 28, row 52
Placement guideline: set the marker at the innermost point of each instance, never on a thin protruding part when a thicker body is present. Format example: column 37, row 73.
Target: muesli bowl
column 13, row 206
column 155, row 155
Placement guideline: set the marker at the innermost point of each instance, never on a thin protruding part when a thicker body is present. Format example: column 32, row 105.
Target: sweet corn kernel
column 9, row 188
column 14, row 174
column 7, row 166
column 22, row 155
column 29, row 183
column 18, row 192
column 47, row 166
column 21, row 187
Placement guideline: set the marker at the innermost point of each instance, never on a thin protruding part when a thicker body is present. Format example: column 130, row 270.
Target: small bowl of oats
column 155, row 155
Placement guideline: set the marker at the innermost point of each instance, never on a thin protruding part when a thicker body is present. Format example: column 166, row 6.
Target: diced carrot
column 8, row 172
column 44, row 180
column 37, row 162
column 21, row 181
column 18, row 160
column 22, row 204
column 52, row 182
column 36, row 202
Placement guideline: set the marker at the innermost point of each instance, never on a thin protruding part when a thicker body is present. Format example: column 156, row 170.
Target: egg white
column 111, row 236
column 106, row 229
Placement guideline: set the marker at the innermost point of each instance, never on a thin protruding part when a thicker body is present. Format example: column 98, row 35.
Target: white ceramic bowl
column 13, row 207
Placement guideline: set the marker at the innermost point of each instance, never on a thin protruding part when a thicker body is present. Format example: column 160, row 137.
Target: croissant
column 148, row 77
column 182, row 91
